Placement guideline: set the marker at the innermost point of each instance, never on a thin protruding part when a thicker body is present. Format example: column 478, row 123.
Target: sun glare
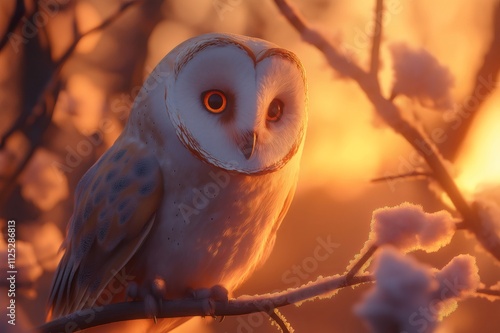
column 479, row 159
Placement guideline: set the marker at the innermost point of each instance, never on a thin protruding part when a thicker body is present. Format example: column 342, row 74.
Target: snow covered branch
column 322, row 287
column 411, row 297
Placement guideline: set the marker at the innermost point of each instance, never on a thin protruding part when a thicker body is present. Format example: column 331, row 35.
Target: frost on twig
column 411, row 297
column 322, row 287
column 280, row 321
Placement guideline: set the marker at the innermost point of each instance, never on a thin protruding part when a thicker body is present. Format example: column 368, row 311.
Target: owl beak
column 248, row 145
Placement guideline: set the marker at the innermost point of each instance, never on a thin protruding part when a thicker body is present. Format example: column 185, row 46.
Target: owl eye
column 275, row 110
column 214, row 101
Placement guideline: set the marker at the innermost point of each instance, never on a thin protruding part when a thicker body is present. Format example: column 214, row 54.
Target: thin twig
column 404, row 175
column 190, row 307
column 99, row 27
column 489, row 292
column 280, row 320
column 392, row 116
column 334, row 58
column 377, row 38
column 360, row 262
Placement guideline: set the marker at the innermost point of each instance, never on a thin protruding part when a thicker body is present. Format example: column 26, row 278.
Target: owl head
column 236, row 102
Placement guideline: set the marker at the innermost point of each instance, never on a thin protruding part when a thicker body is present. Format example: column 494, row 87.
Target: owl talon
column 152, row 296
column 151, row 307
column 209, row 308
column 158, row 290
column 211, row 295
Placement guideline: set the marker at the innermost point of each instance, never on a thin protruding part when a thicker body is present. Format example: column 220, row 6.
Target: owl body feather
column 179, row 197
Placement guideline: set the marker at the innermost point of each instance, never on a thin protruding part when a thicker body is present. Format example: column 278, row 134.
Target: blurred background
column 64, row 99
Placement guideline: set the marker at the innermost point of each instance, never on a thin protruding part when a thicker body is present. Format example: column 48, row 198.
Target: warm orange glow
column 347, row 143
column 88, row 17
column 84, row 104
column 479, row 160
column 43, row 184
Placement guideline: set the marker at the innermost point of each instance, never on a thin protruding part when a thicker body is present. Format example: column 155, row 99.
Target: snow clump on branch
column 410, row 297
column 408, row 228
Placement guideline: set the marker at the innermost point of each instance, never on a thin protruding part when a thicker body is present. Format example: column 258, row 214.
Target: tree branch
column 392, row 116
column 309, row 35
column 189, row 307
column 489, row 292
column 99, row 27
column 377, row 38
column 360, row 262
column 280, row 320
column 412, row 174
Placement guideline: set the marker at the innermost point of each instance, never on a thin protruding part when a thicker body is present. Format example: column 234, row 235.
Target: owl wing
column 115, row 206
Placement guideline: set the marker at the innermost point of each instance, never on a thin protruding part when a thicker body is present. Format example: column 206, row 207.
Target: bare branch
column 190, row 307
column 377, row 38
column 334, row 58
column 360, row 262
column 280, row 320
column 489, row 292
column 99, row 27
column 413, row 174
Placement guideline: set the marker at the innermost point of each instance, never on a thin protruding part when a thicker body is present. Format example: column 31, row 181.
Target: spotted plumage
column 99, row 233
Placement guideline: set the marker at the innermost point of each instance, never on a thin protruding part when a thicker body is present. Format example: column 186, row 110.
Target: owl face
column 237, row 103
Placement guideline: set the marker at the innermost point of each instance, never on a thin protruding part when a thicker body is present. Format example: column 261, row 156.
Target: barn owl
column 191, row 194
